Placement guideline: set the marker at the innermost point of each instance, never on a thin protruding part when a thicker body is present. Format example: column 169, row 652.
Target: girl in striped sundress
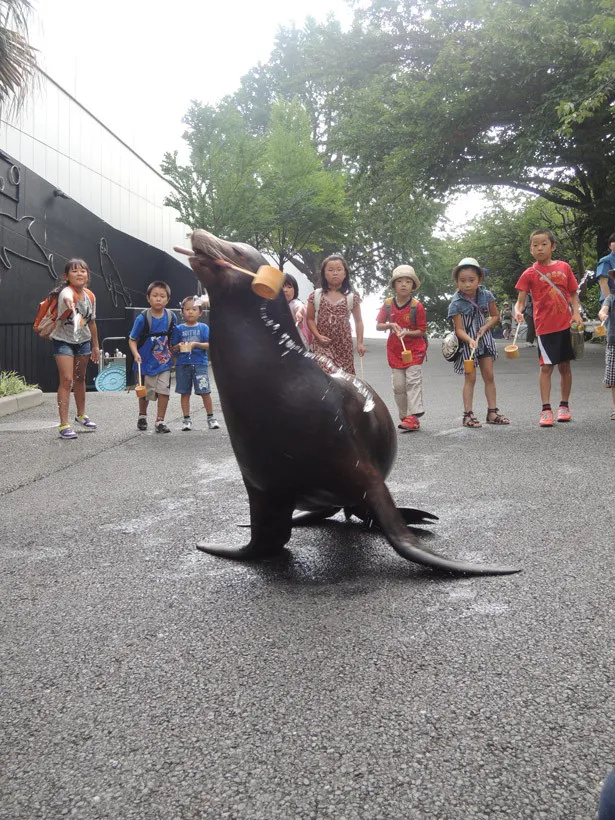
column 474, row 313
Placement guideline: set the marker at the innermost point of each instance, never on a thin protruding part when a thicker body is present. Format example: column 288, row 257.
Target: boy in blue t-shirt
column 191, row 340
column 607, row 263
column 151, row 349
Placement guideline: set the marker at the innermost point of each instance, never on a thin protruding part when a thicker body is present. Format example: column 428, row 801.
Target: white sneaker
column 212, row 423
column 187, row 425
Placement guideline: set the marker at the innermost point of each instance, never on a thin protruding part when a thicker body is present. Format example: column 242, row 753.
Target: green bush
column 12, row 383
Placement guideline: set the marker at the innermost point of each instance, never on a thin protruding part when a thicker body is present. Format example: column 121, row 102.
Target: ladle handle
column 228, row 264
column 139, row 372
column 516, row 332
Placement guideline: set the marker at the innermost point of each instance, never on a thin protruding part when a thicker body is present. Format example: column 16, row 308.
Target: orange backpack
column 47, row 313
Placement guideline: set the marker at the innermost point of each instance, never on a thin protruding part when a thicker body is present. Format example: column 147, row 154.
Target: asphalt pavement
column 143, row 679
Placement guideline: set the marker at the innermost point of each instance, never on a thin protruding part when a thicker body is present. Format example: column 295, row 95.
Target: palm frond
column 17, row 57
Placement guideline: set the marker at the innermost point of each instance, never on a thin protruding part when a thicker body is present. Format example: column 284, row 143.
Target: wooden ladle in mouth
column 267, row 281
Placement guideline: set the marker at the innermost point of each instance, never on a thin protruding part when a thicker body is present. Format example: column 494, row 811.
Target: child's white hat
column 409, row 272
column 468, row 262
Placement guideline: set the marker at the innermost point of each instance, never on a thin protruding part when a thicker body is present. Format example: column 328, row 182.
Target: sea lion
column 304, row 439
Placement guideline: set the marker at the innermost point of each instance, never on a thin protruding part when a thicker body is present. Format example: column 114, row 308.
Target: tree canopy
column 511, row 93
column 418, row 99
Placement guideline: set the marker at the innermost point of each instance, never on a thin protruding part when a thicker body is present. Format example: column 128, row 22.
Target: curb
column 22, row 401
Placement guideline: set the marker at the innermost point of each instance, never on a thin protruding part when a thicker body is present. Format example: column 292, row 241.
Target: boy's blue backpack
column 146, row 333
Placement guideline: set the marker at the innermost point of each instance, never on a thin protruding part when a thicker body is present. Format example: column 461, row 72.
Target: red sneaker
column 546, row 418
column 410, row 423
column 563, row 413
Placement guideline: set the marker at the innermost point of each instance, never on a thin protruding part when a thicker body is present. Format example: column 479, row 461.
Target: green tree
column 219, row 189
column 17, row 57
column 516, row 93
column 324, row 68
column 304, row 203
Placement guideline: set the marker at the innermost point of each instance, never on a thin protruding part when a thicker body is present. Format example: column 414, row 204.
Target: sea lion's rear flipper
column 412, row 516
column 270, row 523
column 394, row 527
column 304, row 519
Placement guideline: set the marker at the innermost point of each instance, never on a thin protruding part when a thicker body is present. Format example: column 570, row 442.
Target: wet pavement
column 143, row 679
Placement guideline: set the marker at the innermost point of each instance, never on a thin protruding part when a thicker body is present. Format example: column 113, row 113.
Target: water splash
column 327, row 365
column 76, row 322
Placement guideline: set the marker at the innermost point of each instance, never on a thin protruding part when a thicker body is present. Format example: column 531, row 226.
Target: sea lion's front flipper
column 270, row 523
column 304, row 519
column 394, row 527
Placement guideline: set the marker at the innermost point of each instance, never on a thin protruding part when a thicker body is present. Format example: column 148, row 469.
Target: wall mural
column 10, row 182
column 40, row 228
column 24, row 228
column 113, row 280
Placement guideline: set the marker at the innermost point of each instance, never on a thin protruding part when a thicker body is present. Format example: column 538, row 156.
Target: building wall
column 63, row 143
column 69, row 188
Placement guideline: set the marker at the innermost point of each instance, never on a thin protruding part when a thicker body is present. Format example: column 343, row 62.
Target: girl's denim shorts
column 69, row 349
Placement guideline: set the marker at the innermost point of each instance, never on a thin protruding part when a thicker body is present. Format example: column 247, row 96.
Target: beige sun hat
column 405, row 270
column 467, row 262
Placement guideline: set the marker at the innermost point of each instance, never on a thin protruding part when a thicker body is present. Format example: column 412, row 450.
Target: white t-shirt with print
column 74, row 329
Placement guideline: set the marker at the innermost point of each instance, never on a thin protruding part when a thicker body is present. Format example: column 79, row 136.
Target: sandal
column 497, row 417
column 470, row 420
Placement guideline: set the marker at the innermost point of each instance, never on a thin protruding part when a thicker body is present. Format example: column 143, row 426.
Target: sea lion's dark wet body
column 304, row 439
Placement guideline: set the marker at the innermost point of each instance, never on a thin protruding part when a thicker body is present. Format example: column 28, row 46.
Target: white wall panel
column 26, row 148
column 63, row 173
column 61, row 141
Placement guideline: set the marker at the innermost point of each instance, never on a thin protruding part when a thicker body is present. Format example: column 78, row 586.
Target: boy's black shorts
column 555, row 348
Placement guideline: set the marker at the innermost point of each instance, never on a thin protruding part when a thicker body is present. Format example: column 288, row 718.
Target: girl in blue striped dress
column 474, row 313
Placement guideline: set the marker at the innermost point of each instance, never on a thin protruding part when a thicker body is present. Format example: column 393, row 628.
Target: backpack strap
column 387, row 306
column 146, row 333
column 413, row 306
column 317, row 298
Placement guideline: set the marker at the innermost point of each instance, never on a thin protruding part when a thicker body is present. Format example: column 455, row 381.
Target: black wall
column 40, row 229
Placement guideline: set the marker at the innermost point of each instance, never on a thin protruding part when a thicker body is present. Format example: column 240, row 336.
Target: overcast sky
column 137, row 64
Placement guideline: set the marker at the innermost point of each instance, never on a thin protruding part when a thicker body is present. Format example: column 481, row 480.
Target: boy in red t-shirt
column 404, row 316
column 553, row 288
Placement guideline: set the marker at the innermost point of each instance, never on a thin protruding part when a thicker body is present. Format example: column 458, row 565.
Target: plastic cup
column 141, row 391
column 512, row 351
column 468, row 365
column 268, row 282
column 406, row 356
